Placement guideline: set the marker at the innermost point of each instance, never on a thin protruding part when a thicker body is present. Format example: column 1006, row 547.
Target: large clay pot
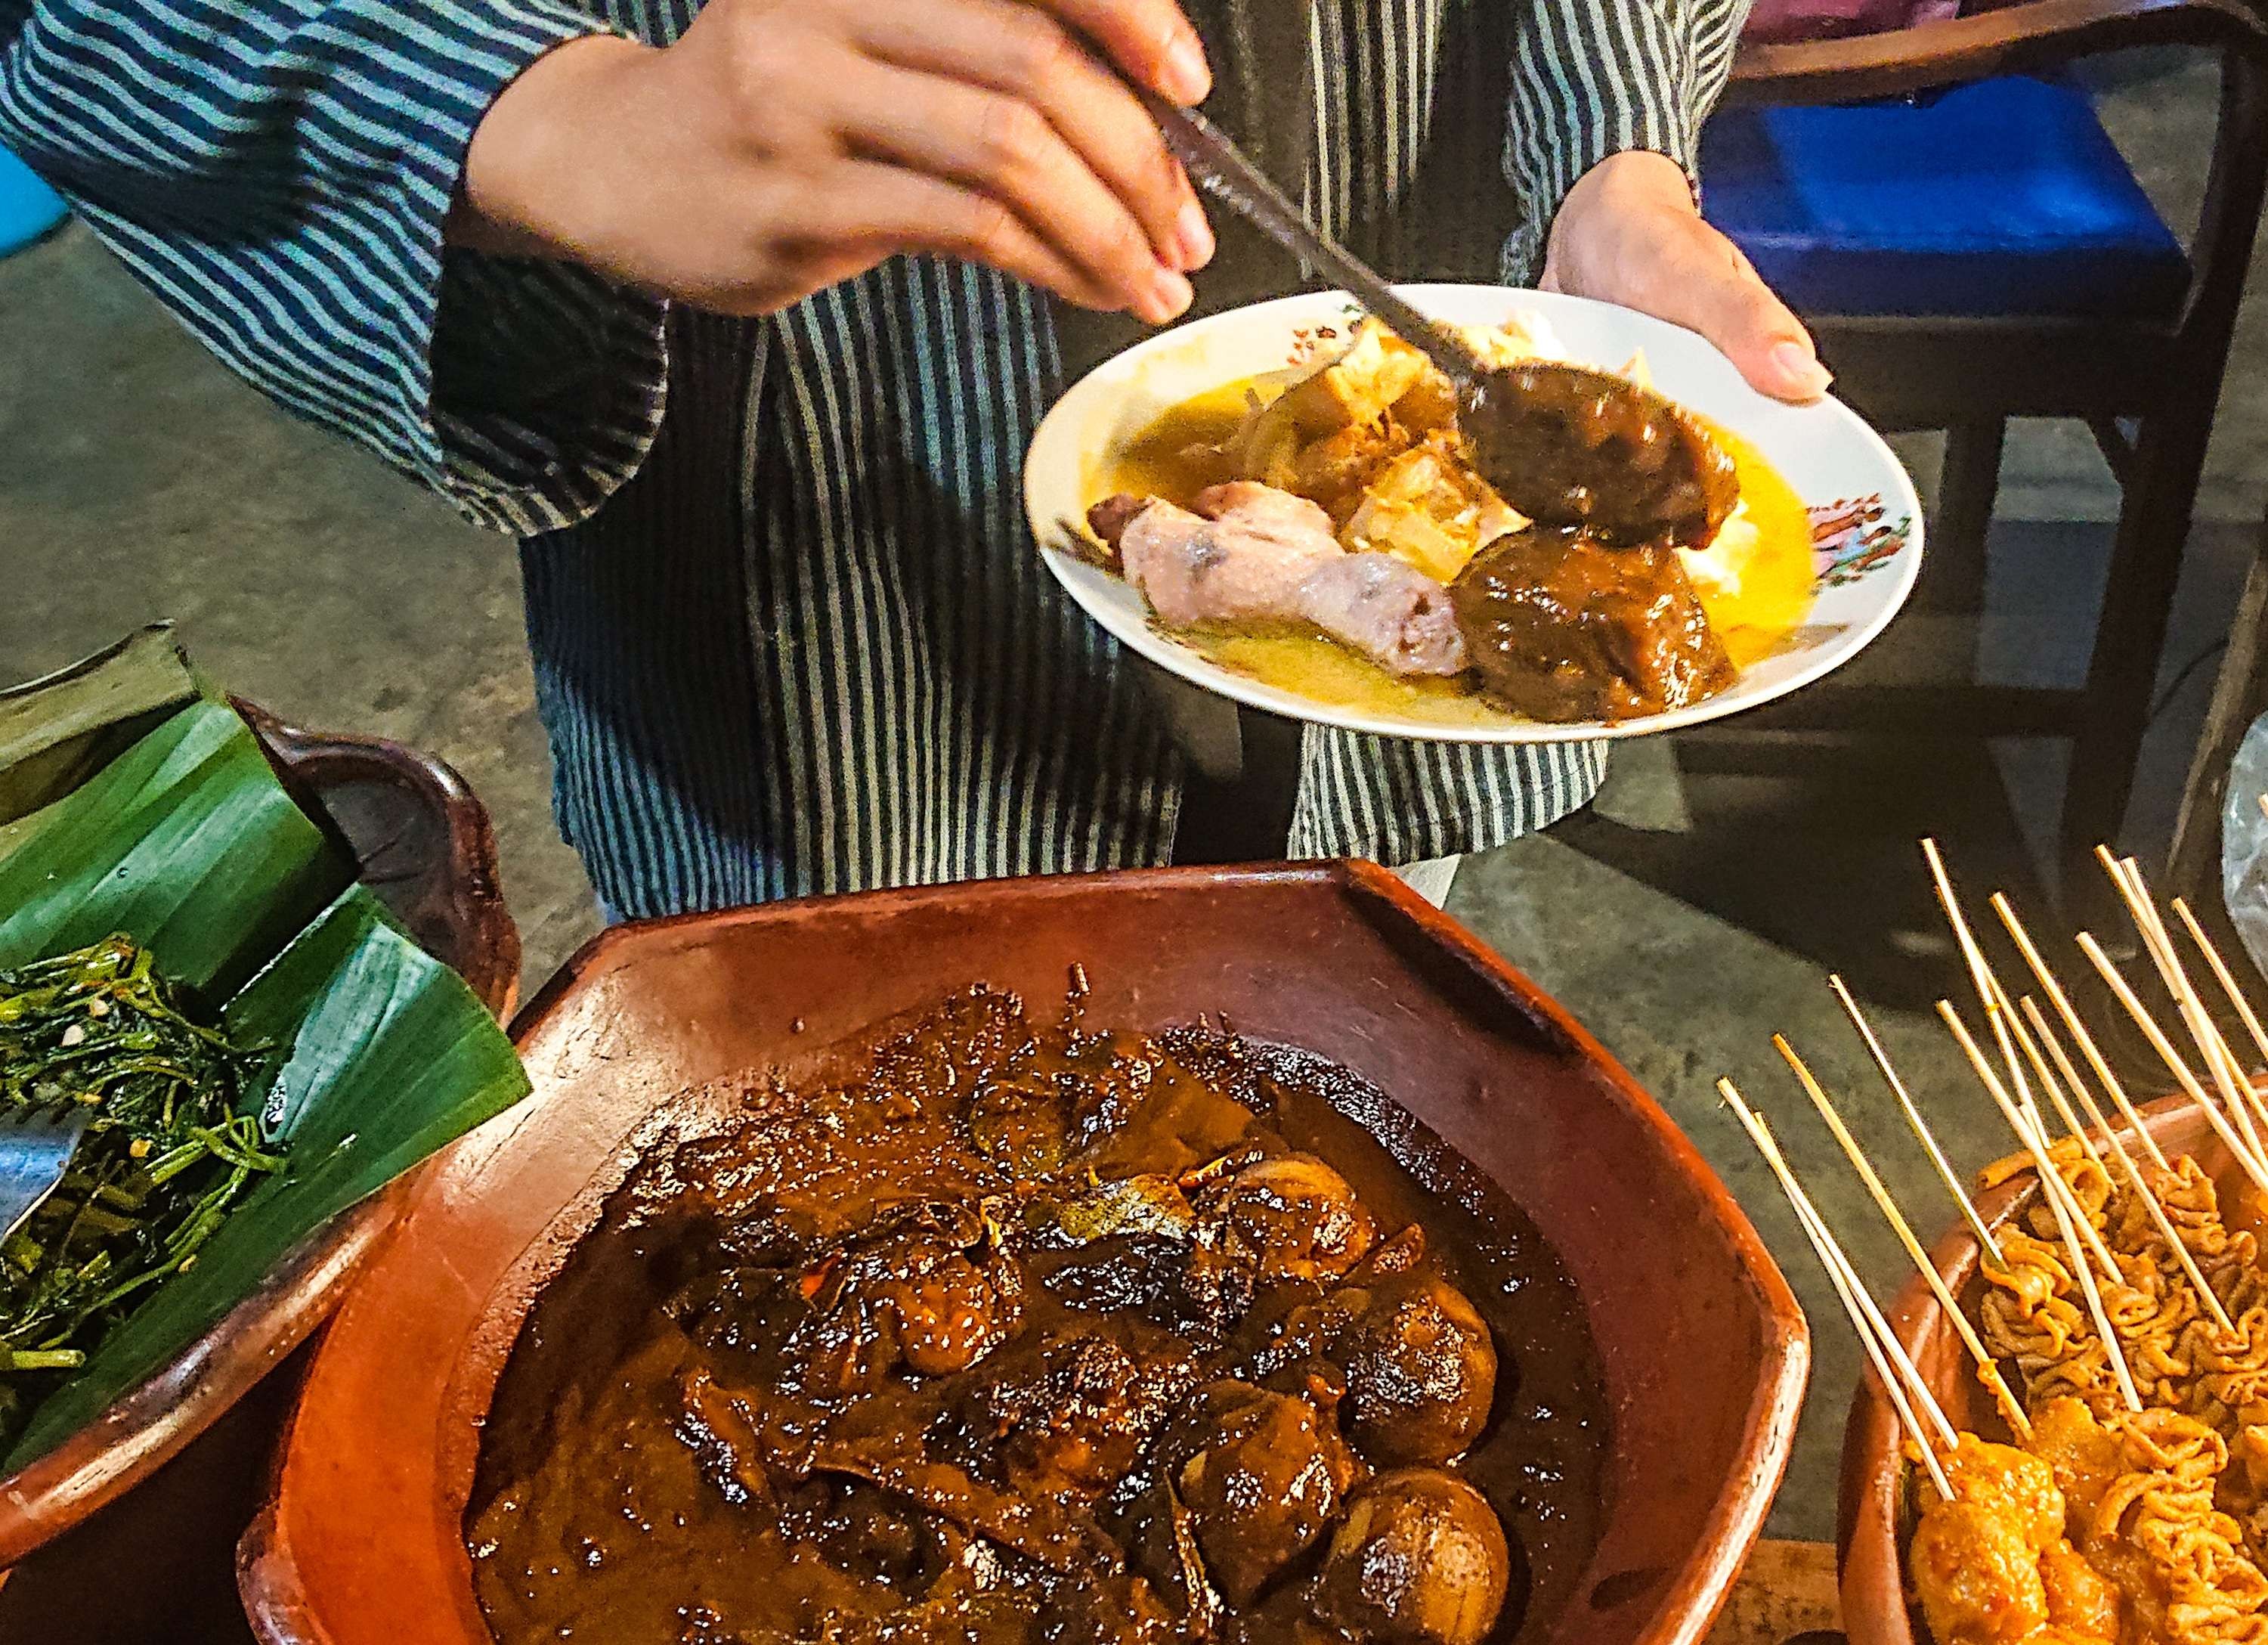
column 1871, row 1534
column 1704, row 1349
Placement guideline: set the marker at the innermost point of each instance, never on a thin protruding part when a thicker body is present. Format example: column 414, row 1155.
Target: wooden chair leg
column 2145, row 564
column 1953, row 573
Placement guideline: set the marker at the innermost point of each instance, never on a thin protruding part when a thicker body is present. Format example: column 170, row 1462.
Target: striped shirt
column 789, row 631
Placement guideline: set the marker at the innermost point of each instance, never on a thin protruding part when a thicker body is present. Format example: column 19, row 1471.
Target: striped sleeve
column 277, row 172
column 1596, row 77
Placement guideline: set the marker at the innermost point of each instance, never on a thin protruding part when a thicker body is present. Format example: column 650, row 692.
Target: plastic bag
column 2244, row 842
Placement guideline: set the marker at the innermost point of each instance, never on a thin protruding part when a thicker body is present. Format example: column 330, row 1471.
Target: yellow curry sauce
column 1168, row 459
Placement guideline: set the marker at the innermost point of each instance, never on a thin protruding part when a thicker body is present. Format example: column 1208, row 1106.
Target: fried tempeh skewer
column 1919, row 1125
column 1900, row 1378
column 1988, row 1368
column 2056, row 1192
column 2136, row 1181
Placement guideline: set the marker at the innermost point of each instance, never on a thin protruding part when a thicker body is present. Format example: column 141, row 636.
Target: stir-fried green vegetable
column 166, row 1155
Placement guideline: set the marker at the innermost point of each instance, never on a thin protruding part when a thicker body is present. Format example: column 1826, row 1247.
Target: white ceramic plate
column 1866, row 519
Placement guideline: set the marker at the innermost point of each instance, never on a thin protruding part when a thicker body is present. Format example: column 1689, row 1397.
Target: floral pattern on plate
column 1853, row 537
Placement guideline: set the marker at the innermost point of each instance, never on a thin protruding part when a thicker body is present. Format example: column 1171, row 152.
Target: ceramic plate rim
column 1084, row 581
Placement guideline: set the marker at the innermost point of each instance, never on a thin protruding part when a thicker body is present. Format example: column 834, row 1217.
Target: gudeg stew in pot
column 1024, row 1333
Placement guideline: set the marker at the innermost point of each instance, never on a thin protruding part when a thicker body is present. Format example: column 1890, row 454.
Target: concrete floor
column 1685, row 918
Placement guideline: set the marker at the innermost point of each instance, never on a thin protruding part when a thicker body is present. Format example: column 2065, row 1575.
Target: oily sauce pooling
column 1567, row 545
column 1038, row 1335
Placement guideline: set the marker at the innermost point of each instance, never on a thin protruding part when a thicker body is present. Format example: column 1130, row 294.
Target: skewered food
column 1991, row 1563
column 166, row 1157
column 853, row 1367
column 1602, row 610
column 2119, row 1322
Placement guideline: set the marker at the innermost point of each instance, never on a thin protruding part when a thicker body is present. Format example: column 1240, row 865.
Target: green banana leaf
column 56, row 732
column 143, row 804
column 187, row 843
column 383, row 1057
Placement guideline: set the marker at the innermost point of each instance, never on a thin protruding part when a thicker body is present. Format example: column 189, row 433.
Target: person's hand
column 782, row 146
column 1628, row 232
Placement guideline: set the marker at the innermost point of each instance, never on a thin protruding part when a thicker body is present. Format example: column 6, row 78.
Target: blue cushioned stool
column 28, row 207
column 1944, row 208
column 2000, row 198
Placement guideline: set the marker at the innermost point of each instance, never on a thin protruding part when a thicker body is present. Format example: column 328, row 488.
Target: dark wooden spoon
column 1564, row 445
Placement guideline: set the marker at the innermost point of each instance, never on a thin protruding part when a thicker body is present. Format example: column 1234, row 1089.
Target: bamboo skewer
column 2006, row 1029
column 2045, row 1036
column 2172, row 1059
column 2023, row 1114
column 2126, row 874
column 1946, row 900
column 2223, row 976
column 2228, row 986
column 2247, row 1097
column 2237, row 1089
column 2127, row 878
column 2031, row 1135
column 2057, row 1099
column 1988, row 1369
column 1989, row 994
column 2220, row 1061
column 1919, row 1126
column 1836, row 1259
column 1875, row 1337
column 2050, row 1083
column 2084, row 1040
column 2068, row 1218
column 2000, row 1016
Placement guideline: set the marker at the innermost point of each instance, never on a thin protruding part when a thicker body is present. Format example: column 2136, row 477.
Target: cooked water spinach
column 166, row 1156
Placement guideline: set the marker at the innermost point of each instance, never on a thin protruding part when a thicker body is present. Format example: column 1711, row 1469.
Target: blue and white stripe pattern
column 792, row 637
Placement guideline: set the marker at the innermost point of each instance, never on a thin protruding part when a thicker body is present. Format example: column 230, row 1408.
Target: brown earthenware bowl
column 1705, row 1351
column 1871, row 1527
column 422, row 844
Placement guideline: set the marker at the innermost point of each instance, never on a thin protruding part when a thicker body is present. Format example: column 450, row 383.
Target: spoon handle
column 1224, row 171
